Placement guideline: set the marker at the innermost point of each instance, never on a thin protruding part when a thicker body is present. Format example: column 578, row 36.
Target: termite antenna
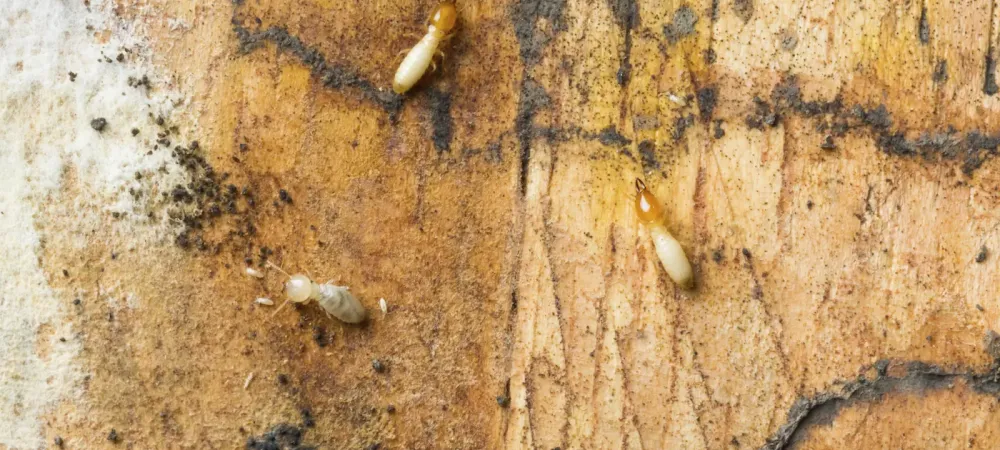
column 639, row 185
column 279, row 269
column 277, row 310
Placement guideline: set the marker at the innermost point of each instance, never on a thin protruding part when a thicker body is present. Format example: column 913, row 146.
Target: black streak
column 532, row 39
column 822, row 409
column 332, row 75
column 973, row 148
column 990, row 86
column 626, row 14
column 441, row 119
column 923, row 28
column 533, row 97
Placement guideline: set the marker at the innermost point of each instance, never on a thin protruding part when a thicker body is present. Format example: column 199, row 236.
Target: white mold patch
column 46, row 131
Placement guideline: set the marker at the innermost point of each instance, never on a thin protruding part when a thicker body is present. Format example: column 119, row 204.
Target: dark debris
column 99, row 124
column 280, row 437
column 682, row 24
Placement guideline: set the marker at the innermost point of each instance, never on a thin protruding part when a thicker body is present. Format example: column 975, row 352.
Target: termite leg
column 434, row 67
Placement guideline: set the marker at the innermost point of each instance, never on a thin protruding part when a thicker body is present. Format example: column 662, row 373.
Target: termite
column 671, row 255
column 335, row 300
column 421, row 56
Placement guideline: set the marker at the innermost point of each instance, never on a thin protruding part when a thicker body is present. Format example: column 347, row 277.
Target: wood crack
column 823, row 408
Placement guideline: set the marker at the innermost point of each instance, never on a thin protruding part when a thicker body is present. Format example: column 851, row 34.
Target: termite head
column 444, row 17
column 299, row 288
column 647, row 207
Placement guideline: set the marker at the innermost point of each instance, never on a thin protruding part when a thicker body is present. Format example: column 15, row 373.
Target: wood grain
column 491, row 208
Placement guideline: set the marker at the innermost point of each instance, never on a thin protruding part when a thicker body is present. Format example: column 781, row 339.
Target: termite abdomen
column 339, row 302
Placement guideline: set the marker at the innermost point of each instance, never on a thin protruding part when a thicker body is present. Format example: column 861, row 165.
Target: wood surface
column 839, row 304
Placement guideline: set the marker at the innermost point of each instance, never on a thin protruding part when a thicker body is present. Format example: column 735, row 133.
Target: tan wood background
column 839, row 301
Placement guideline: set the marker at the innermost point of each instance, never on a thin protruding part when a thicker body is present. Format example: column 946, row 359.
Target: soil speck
column 828, row 144
column 717, row 131
column 706, row 102
column 940, row 72
column 99, row 124
column 983, row 254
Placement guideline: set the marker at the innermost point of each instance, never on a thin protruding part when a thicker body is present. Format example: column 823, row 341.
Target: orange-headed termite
column 421, row 56
column 671, row 255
